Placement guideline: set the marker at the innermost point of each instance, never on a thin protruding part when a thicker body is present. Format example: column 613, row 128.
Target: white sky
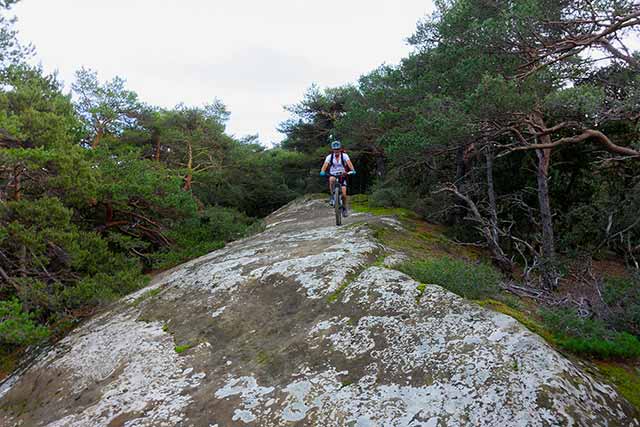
column 254, row 55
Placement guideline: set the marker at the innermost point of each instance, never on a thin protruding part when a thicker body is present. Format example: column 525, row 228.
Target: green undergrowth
column 469, row 280
column 625, row 377
column 526, row 319
column 589, row 337
column 418, row 239
column 434, row 258
column 361, row 203
column 9, row 360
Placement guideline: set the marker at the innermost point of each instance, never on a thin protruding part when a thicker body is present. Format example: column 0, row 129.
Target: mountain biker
column 337, row 162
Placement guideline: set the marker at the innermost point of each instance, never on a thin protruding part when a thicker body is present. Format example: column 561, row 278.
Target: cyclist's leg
column 344, row 196
column 332, row 180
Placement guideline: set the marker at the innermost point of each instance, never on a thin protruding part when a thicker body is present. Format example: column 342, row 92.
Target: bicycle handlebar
column 342, row 174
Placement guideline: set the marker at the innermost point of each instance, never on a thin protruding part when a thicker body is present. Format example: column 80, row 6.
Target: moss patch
column 421, row 288
column 525, row 319
column 626, row 379
column 146, row 295
column 182, row 348
column 333, row 297
column 420, row 240
column 262, row 357
column 360, row 203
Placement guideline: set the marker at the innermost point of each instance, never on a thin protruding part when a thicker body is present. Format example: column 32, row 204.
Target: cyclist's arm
column 350, row 165
column 324, row 167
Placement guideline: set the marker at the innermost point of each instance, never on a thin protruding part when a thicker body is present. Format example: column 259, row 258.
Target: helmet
column 335, row 145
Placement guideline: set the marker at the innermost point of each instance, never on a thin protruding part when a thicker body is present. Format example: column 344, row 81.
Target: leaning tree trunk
column 96, row 139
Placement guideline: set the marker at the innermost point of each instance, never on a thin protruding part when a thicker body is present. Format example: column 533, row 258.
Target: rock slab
column 303, row 325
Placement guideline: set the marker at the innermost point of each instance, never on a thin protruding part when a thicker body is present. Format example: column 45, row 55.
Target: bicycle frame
column 336, row 192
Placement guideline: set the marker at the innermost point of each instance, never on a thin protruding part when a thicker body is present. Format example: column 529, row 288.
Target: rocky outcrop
column 303, row 325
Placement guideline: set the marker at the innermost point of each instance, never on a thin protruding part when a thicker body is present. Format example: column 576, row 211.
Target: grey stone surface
column 303, row 325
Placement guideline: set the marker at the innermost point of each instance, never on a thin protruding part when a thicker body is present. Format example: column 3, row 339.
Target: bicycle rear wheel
column 337, row 203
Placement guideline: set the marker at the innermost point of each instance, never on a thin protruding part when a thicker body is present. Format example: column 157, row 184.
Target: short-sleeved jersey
column 336, row 164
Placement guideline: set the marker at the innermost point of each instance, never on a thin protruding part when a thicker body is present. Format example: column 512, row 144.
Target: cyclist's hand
column 352, row 172
column 323, row 173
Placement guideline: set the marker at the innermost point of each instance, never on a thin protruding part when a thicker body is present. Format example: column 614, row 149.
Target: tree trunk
column 493, row 210
column 549, row 274
column 189, row 177
column 17, row 188
column 457, row 213
column 548, row 270
column 96, row 139
column 108, row 213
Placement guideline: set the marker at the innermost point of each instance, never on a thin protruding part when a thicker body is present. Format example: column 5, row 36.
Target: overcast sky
column 254, row 55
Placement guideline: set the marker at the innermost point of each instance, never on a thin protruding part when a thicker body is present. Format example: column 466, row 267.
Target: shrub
column 18, row 327
column 588, row 336
column 200, row 235
column 387, row 197
column 622, row 297
column 473, row 281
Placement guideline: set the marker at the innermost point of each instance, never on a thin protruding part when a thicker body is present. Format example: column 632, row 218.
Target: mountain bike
column 337, row 196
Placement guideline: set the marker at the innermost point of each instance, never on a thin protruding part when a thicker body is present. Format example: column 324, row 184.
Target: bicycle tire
column 337, row 204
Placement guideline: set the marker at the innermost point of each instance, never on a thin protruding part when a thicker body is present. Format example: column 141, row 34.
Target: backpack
column 344, row 164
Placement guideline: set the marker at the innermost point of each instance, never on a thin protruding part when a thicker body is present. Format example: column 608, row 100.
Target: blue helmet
column 335, row 145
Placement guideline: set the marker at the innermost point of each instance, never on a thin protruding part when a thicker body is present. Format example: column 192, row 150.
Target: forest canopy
column 517, row 125
column 98, row 188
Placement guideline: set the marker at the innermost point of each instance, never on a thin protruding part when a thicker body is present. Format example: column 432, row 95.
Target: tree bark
column 549, row 275
column 547, row 266
column 498, row 256
column 493, row 209
column 586, row 134
column 17, row 188
column 108, row 213
column 96, row 139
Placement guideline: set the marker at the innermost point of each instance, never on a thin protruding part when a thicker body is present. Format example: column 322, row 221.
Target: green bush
column 387, row 197
column 18, row 327
column 588, row 336
column 622, row 297
column 473, row 281
column 200, row 235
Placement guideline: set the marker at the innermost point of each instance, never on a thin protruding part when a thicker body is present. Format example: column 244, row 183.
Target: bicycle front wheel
column 337, row 204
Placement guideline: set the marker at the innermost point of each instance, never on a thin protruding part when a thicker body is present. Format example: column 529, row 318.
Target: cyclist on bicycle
column 337, row 162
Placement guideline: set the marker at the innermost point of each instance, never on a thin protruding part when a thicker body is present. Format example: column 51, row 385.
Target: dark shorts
column 343, row 180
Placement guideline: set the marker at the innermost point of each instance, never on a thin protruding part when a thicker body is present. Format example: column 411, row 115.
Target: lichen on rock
column 303, row 325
